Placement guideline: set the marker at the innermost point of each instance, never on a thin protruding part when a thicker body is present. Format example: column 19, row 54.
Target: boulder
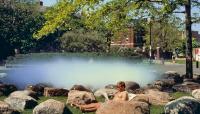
column 141, row 98
column 173, row 75
column 24, row 93
column 123, row 108
column 183, row 105
column 6, row 109
column 131, row 86
column 157, row 97
column 49, row 92
column 19, row 101
column 80, row 97
column 110, row 86
column 6, row 89
column 153, row 97
column 50, row 106
column 186, row 87
column 163, row 84
column 196, row 94
column 107, row 93
column 38, row 88
column 80, row 88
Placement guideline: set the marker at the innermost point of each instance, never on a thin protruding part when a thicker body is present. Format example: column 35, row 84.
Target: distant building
column 196, row 35
column 130, row 38
column 10, row 3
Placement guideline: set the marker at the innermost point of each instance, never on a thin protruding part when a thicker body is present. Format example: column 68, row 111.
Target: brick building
column 196, row 35
column 129, row 38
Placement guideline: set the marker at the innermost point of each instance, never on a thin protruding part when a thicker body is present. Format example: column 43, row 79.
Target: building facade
column 130, row 38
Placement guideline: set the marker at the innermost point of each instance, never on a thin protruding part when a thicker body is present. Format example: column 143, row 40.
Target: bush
column 79, row 41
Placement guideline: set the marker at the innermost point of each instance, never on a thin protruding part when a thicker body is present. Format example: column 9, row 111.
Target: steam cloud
column 67, row 72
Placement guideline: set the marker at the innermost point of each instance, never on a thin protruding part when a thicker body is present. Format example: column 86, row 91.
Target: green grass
column 177, row 95
column 156, row 109
column 179, row 61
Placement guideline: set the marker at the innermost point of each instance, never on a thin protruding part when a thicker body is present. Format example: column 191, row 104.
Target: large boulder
column 163, row 84
column 141, row 98
column 186, row 87
column 183, row 105
column 80, row 88
column 6, row 89
column 173, row 75
column 6, row 109
column 80, row 97
column 131, row 86
column 24, row 93
column 107, row 93
column 124, row 108
column 49, row 92
column 157, row 97
column 50, row 106
column 153, row 97
column 196, row 94
column 38, row 88
column 20, row 101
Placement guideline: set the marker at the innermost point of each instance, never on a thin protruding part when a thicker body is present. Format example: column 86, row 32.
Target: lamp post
column 150, row 43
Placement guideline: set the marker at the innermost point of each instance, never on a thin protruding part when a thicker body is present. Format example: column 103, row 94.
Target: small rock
column 38, row 88
column 183, row 105
column 50, row 106
column 49, row 92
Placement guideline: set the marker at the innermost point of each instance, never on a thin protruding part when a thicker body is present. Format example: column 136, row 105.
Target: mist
column 95, row 73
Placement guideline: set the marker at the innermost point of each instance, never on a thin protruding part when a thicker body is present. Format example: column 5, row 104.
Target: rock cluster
column 157, row 93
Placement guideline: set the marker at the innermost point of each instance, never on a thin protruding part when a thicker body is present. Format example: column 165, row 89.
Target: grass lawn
column 153, row 109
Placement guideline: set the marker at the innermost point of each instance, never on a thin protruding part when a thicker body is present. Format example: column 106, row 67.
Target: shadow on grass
column 67, row 111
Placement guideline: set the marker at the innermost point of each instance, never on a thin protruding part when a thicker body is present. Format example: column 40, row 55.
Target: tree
column 18, row 23
column 166, row 33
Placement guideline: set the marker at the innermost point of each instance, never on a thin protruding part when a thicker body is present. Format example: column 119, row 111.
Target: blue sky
column 195, row 27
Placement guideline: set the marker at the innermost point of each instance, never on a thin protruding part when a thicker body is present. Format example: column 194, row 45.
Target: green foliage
column 59, row 16
column 17, row 26
column 195, row 43
column 165, row 33
column 82, row 41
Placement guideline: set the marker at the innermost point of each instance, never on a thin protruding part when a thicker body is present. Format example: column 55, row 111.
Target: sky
column 195, row 27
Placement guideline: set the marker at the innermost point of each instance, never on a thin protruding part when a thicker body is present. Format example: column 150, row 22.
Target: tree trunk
column 188, row 31
column 108, row 44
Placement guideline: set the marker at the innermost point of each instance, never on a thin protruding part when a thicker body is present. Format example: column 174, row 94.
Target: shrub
column 79, row 41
